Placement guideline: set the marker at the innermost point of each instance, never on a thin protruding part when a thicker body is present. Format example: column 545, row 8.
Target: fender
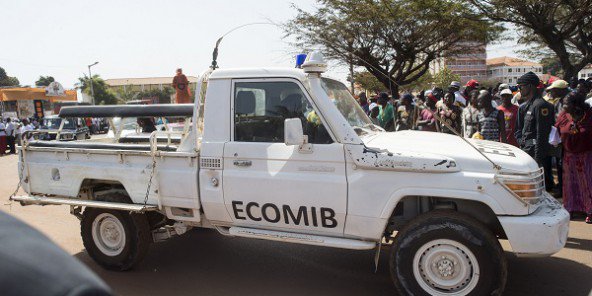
column 450, row 193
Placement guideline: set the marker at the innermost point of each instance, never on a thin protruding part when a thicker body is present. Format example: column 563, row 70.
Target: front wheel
column 447, row 253
column 116, row 240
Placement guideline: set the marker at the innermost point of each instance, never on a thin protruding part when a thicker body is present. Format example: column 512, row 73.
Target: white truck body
column 350, row 191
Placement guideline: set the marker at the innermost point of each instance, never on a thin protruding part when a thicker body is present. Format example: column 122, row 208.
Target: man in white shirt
column 10, row 135
column 459, row 99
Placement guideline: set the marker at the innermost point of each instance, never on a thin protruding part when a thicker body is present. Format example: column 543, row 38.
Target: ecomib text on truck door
column 288, row 155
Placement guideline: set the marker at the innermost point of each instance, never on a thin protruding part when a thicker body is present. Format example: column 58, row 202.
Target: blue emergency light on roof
column 300, row 58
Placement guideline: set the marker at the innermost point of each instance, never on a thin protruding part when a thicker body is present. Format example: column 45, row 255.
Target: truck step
column 307, row 239
column 43, row 200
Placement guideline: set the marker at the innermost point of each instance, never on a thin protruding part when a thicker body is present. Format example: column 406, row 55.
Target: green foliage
column 393, row 39
column 443, row 78
column 6, row 80
column 559, row 28
column 552, row 65
column 424, row 82
column 126, row 94
column 44, row 81
column 103, row 94
column 369, row 82
column 163, row 96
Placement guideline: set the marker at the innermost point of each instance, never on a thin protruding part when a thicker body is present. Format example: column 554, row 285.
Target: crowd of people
column 551, row 121
column 11, row 131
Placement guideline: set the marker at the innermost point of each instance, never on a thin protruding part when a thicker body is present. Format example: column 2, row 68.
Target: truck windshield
column 347, row 106
column 54, row 123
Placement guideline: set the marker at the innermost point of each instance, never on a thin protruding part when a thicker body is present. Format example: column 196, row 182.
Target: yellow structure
column 26, row 101
column 28, row 93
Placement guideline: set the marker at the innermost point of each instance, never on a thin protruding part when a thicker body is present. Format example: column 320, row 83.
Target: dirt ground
column 202, row 262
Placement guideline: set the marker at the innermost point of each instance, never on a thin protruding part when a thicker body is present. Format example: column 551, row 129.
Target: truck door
column 270, row 185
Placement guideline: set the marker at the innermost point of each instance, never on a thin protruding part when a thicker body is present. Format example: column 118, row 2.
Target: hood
column 449, row 146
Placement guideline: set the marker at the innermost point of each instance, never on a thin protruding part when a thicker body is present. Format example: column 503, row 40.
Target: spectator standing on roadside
column 459, row 99
column 364, row 102
column 10, row 133
column 469, row 87
column 386, row 115
column 491, row 120
column 451, row 114
column 2, row 137
column 405, row 113
column 556, row 92
column 575, row 128
column 533, row 125
column 426, row 121
column 470, row 121
column 510, row 112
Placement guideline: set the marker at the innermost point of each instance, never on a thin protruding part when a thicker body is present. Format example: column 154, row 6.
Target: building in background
column 509, row 69
column 586, row 72
column 471, row 64
column 145, row 84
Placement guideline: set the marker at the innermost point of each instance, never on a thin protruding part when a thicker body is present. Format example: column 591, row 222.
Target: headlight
column 67, row 136
column 528, row 187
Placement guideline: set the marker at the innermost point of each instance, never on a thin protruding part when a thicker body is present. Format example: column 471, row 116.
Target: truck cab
column 288, row 155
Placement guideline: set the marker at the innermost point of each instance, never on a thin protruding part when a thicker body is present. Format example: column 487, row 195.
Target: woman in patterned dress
column 575, row 128
column 451, row 114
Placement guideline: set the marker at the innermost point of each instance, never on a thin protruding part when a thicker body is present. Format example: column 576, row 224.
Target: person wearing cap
column 459, row 99
column 556, row 92
column 469, row 87
column 510, row 112
column 533, row 125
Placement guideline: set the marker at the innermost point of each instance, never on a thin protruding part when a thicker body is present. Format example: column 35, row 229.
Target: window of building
column 509, row 70
column 260, row 109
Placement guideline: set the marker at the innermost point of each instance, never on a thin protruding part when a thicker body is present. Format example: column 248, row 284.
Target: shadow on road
column 206, row 263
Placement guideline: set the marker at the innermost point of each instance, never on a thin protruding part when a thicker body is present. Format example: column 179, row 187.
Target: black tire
column 428, row 236
column 134, row 247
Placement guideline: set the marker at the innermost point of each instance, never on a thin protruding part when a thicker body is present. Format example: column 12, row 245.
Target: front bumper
column 542, row 233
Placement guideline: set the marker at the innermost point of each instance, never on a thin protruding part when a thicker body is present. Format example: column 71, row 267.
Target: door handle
column 242, row 163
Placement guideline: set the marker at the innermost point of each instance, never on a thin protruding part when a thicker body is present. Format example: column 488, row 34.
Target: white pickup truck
column 287, row 155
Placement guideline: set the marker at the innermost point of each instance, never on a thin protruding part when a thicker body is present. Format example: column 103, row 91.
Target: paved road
column 206, row 263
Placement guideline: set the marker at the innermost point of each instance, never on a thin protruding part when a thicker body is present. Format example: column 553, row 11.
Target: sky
column 147, row 38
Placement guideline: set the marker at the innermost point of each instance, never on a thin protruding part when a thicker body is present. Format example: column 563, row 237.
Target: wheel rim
column 108, row 234
column 446, row 267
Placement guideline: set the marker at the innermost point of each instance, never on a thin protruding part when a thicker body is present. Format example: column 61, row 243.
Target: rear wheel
column 446, row 253
column 116, row 240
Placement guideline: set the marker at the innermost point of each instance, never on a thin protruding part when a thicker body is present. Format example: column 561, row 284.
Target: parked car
column 73, row 129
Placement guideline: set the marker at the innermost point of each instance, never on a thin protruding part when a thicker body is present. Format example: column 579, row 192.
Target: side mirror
column 293, row 134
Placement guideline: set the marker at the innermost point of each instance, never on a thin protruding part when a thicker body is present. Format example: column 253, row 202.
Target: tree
column 444, row 77
column 368, row 82
column 422, row 83
column 103, row 94
column 394, row 40
column 162, row 96
column 6, row 80
column 560, row 27
column 552, row 65
column 127, row 94
column 44, row 80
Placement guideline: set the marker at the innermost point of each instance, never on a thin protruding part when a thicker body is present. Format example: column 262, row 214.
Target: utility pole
column 92, row 91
